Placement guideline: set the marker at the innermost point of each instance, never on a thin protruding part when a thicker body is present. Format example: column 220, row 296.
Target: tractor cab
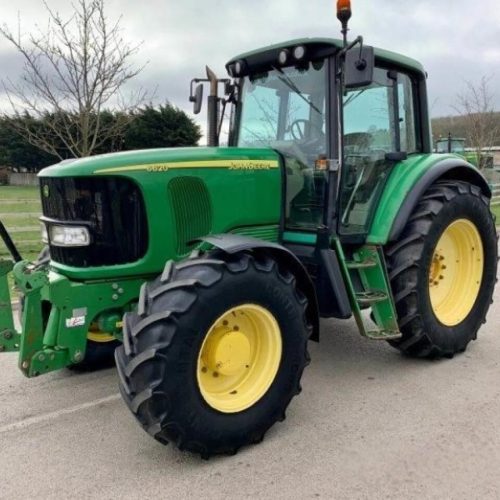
column 451, row 144
column 340, row 117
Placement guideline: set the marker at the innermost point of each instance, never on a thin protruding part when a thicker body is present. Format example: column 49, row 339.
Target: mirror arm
column 360, row 63
column 357, row 40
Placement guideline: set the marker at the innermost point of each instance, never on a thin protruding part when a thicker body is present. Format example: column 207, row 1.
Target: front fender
column 407, row 183
column 232, row 243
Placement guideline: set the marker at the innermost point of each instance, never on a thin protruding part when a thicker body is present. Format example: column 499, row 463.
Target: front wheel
column 443, row 270
column 215, row 352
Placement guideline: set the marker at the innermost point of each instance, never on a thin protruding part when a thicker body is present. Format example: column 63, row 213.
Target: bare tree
column 73, row 70
column 475, row 105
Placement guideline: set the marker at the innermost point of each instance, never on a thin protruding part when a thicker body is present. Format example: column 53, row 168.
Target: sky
column 455, row 40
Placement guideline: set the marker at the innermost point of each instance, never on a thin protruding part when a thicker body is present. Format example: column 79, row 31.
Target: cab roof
column 319, row 44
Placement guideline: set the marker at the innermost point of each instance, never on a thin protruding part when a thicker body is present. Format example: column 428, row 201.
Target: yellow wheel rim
column 239, row 358
column 100, row 337
column 456, row 272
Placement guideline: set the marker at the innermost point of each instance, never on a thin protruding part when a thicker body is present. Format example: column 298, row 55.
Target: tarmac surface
column 369, row 423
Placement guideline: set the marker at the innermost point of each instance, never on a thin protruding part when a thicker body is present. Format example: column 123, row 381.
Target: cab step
column 368, row 263
column 370, row 297
column 383, row 335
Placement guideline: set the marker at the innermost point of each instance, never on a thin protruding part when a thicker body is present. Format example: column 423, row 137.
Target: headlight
column 69, row 236
column 45, row 234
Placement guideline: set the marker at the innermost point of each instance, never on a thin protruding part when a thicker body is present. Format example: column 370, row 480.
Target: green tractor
column 328, row 202
column 456, row 145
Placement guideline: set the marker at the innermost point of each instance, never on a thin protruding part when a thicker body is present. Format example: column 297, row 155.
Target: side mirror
column 197, row 99
column 358, row 68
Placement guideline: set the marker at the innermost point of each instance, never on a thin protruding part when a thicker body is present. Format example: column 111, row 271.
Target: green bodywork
column 244, row 188
column 242, row 193
column 248, row 203
column 249, row 197
column 74, row 307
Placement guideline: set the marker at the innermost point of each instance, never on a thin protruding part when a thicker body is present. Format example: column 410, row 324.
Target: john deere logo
column 46, row 191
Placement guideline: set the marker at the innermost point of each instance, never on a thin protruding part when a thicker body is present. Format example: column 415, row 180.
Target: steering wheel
column 298, row 132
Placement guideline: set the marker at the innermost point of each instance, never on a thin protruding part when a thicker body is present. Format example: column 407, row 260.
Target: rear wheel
column 443, row 270
column 215, row 352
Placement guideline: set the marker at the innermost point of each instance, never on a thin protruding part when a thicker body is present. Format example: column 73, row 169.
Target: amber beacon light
column 343, row 15
column 344, row 10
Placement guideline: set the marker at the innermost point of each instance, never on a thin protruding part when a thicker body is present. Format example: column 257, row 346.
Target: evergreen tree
column 162, row 127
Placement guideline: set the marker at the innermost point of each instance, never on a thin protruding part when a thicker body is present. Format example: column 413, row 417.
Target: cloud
column 454, row 41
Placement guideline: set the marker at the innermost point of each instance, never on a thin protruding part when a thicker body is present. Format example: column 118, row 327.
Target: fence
column 495, row 200
column 23, row 179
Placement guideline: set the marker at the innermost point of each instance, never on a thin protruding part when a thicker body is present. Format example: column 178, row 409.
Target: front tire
column 443, row 270
column 99, row 353
column 215, row 352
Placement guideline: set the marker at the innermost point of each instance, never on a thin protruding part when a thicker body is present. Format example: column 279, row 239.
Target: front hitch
column 57, row 313
column 9, row 336
column 29, row 280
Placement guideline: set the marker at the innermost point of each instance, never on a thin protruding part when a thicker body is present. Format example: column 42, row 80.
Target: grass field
column 496, row 210
column 19, row 211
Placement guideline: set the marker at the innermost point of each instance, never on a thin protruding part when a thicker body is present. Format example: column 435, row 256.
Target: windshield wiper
column 352, row 97
column 291, row 85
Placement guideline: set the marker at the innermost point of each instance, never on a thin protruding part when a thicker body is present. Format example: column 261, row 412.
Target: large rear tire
column 443, row 270
column 215, row 352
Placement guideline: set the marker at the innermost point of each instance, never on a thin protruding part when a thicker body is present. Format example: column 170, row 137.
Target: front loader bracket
column 9, row 336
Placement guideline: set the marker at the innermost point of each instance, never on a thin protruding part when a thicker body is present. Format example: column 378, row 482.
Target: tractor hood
column 163, row 160
column 143, row 208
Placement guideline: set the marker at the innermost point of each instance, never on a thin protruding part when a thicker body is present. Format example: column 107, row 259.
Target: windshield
column 285, row 109
column 282, row 107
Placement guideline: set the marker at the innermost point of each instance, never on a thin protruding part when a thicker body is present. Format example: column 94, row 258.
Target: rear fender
column 406, row 185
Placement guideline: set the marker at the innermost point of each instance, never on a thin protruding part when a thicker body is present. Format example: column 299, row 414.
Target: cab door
column 378, row 121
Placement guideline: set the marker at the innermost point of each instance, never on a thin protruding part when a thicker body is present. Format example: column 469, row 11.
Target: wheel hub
column 455, row 272
column 239, row 358
column 228, row 353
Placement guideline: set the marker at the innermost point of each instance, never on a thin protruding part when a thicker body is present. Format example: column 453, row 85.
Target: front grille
column 192, row 209
column 113, row 210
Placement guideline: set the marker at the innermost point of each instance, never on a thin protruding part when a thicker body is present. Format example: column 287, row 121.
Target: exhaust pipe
column 213, row 109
